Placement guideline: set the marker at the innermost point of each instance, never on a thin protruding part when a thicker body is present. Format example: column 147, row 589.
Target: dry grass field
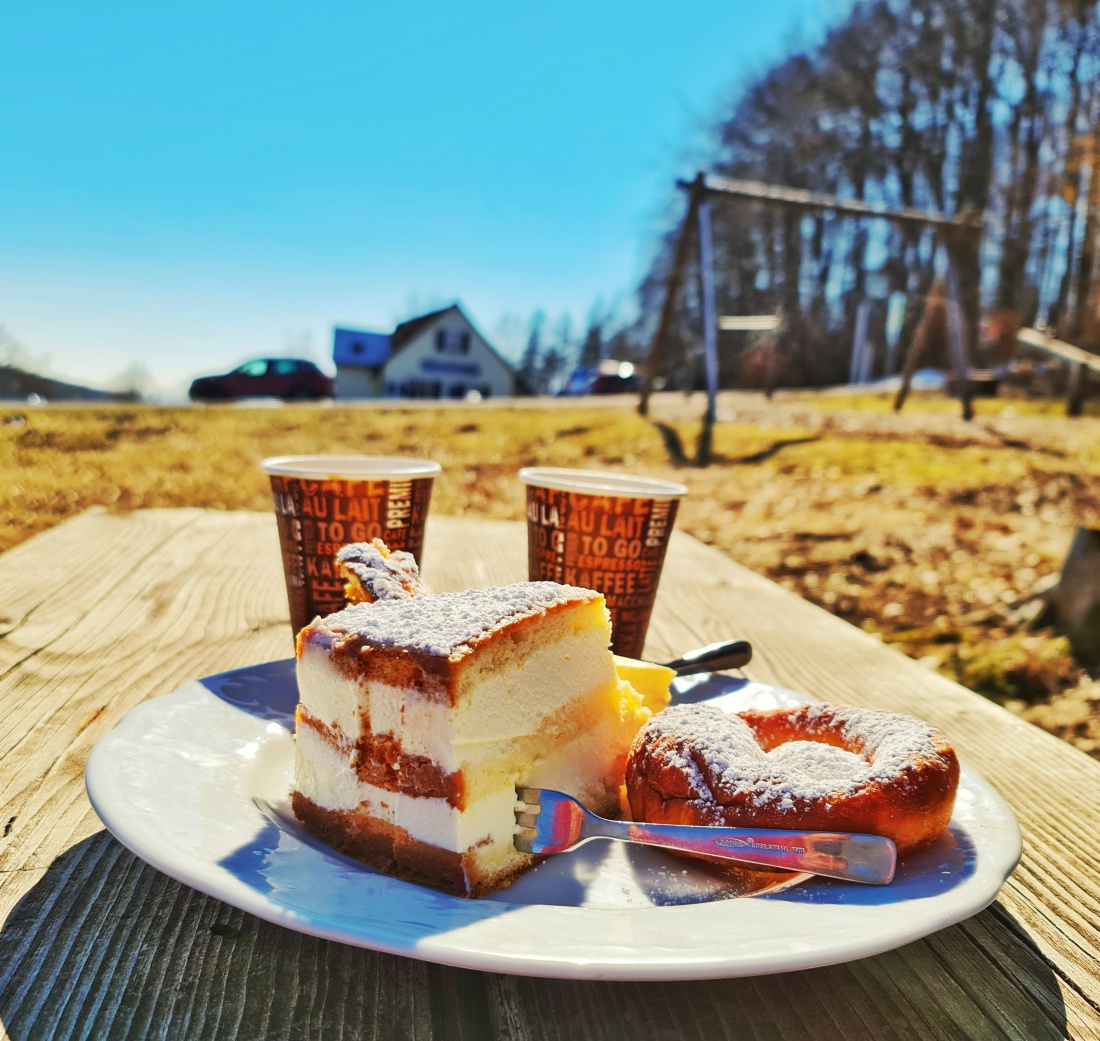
column 921, row 528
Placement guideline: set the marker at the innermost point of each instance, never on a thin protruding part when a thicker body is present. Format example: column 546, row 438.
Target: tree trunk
column 1075, row 600
column 976, row 174
column 1072, row 178
column 1083, row 327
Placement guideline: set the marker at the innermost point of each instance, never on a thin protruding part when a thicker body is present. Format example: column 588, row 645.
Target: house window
column 452, row 341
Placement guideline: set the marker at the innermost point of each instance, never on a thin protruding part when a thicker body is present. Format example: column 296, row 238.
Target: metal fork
column 552, row 822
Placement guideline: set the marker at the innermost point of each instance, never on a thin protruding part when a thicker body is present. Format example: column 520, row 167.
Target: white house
column 438, row 355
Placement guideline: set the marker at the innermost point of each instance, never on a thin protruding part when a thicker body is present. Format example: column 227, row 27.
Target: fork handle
column 837, row 854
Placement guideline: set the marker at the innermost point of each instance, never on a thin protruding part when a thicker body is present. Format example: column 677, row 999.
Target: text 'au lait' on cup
column 324, row 502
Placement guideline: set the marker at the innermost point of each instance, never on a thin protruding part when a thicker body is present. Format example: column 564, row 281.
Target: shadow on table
column 102, row 945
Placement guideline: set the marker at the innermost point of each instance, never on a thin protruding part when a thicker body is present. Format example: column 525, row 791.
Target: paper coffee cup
column 602, row 531
column 323, row 502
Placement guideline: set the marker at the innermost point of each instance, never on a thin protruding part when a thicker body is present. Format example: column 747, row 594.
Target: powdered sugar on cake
column 720, row 756
column 383, row 573
column 446, row 623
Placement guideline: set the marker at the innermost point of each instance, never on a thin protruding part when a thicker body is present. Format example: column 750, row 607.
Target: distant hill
column 18, row 385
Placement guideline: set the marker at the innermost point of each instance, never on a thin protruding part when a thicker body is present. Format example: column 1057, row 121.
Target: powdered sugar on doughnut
column 722, row 759
column 819, row 762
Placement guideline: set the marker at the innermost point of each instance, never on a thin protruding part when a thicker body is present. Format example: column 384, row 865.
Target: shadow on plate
column 732, row 693
column 598, row 874
column 669, row 880
column 947, row 863
column 281, row 862
column 268, row 691
column 603, row 874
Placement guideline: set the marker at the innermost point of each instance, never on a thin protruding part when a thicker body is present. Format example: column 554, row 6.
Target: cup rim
column 601, row 482
column 349, row 467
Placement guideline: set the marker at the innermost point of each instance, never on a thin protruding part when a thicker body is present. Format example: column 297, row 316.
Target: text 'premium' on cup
column 323, row 502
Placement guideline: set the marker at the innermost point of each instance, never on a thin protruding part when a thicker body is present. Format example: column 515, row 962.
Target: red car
column 292, row 379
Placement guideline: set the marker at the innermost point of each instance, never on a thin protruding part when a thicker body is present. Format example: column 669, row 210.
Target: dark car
column 291, row 379
column 578, row 382
column 615, row 383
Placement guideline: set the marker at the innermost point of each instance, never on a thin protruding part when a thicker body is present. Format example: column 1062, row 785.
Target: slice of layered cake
column 418, row 716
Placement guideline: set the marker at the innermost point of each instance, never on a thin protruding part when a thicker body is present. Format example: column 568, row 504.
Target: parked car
column 578, row 382
column 614, row 383
column 292, row 379
column 612, row 377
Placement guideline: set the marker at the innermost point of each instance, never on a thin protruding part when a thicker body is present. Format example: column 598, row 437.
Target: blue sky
column 183, row 189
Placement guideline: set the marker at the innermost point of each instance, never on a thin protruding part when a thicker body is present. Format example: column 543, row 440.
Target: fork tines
column 531, row 796
column 527, row 818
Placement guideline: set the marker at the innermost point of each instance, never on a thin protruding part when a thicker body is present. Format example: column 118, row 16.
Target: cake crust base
column 393, row 851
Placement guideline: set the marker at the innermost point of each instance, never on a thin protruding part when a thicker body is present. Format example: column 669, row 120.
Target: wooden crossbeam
column 748, row 323
column 807, row 200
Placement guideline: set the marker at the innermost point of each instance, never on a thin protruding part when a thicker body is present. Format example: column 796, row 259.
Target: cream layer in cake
column 419, row 716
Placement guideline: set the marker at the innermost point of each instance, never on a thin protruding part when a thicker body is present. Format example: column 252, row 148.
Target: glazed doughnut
column 814, row 767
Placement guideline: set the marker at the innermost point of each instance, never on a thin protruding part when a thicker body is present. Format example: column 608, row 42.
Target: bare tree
column 990, row 107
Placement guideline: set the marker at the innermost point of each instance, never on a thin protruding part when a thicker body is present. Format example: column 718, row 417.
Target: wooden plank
column 192, row 596
column 1059, row 348
column 747, row 323
column 781, row 195
column 94, row 943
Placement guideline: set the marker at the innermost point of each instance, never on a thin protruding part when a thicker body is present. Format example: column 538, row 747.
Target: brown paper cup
column 602, row 531
column 323, row 502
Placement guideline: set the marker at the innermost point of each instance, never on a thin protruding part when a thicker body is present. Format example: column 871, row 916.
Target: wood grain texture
column 105, row 611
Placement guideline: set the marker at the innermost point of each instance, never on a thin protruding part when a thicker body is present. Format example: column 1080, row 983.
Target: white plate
column 196, row 783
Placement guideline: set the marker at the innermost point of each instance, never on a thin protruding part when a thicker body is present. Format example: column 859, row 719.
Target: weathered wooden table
column 106, row 611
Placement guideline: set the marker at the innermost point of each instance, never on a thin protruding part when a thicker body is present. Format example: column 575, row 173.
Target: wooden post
column 771, row 365
column 932, row 329
column 859, row 369
column 658, row 347
column 957, row 337
column 710, row 333
column 1076, row 389
column 896, row 302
